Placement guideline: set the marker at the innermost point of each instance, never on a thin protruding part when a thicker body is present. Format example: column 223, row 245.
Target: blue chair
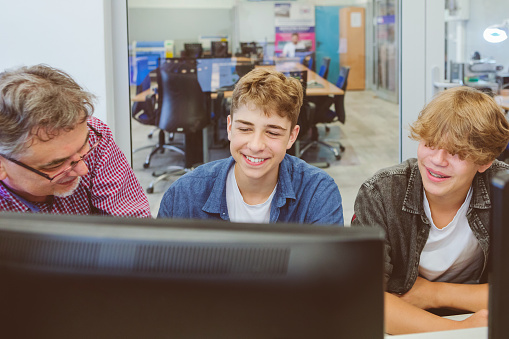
column 324, row 68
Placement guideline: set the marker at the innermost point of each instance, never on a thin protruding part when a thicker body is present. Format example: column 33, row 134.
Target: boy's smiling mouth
column 254, row 160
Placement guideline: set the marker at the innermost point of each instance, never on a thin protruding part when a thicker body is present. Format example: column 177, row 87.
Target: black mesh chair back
column 193, row 50
column 305, row 115
column 219, row 49
column 181, row 102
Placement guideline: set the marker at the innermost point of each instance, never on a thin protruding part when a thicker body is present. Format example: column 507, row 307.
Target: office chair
column 305, row 116
column 150, row 114
column 309, row 61
column 324, row 68
column 325, row 115
column 181, row 109
column 193, row 50
column 219, row 49
column 144, row 113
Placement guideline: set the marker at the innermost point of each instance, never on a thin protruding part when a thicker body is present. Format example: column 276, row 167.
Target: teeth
column 254, row 159
column 436, row 175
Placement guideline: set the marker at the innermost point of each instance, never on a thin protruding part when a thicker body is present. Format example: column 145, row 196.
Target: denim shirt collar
column 413, row 202
column 216, row 202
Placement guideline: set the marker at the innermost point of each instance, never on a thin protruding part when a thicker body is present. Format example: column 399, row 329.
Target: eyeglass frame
column 68, row 169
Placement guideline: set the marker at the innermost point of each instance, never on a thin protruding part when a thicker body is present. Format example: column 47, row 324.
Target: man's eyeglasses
column 62, row 174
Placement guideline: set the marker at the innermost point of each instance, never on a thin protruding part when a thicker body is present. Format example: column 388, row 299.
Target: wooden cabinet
column 352, row 50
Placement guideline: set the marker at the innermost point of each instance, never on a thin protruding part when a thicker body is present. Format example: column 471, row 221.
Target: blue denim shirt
column 304, row 194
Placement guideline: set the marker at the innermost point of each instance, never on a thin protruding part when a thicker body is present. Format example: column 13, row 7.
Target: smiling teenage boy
column 435, row 211
column 259, row 182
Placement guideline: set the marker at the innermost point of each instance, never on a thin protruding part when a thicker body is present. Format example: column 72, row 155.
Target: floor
column 370, row 136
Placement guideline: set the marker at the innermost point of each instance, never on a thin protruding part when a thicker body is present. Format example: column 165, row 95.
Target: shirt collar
column 284, row 188
column 20, row 203
column 216, row 202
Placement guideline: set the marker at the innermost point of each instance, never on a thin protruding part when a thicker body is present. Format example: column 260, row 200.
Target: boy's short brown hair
column 463, row 121
column 270, row 91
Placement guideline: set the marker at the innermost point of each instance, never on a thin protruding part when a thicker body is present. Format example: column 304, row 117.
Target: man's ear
column 3, row 172
column 293, row 136
column 484, row 167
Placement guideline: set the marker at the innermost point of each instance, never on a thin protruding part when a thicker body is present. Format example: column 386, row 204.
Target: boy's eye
column 274, row 133
column 243, row 129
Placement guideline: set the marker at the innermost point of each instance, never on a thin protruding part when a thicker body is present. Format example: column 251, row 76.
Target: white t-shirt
column 451, row 254
column 238, row 210
column 290, row 47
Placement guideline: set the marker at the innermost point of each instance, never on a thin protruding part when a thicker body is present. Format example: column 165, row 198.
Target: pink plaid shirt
column 109, row 188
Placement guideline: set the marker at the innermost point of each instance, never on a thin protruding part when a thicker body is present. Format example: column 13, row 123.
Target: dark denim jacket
column 393, row 199
column 304, row 194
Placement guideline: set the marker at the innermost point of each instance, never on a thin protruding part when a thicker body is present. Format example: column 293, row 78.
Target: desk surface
column 503, row 101
column 326, row 88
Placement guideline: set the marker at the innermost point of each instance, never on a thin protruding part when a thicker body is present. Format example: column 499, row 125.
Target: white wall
column 77, row 37
column 482, row 15
column 422, row 49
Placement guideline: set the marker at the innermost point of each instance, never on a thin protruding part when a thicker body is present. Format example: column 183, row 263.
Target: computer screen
column 221, row 73
column 101, row 277
column 498, row 318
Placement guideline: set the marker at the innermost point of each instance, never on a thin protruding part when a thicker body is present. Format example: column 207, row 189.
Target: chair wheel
column 150, row 190
column 338, row 157
column 342, row 148
column 145, row 165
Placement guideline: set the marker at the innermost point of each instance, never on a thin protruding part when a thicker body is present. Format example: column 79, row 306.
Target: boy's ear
column 229, row 126
column 484, row 167
column 293, row 136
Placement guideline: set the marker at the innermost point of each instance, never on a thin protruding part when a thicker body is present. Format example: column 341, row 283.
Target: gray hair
column 39, row 99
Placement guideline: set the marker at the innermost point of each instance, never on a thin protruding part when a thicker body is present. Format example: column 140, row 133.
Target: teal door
column 327, row 38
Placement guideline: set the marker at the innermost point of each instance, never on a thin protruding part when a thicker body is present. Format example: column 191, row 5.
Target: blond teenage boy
column 259, row 182
column 435, row 211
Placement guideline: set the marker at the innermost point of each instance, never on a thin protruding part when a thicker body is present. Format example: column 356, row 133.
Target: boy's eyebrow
column 61, row 160
column 244, row 122
column 269, row 126
column 277, row 127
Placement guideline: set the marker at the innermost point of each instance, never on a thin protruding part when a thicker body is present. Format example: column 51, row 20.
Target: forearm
column 402, row 317
column 469, row 297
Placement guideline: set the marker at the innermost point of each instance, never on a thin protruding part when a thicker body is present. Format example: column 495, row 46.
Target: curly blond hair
column 270, row 91
column 463, row 121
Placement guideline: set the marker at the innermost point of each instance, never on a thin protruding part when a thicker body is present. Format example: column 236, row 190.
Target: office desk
column 503, row 101
column 325, row 87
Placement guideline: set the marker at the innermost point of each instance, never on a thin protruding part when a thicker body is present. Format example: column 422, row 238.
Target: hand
column 422, row 294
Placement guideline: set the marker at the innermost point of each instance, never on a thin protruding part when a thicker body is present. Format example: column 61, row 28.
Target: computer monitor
column 102, row 277
column 219, row 49
column 498, row 318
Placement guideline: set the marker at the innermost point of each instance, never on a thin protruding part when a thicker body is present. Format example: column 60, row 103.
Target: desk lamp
column 497, row 33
